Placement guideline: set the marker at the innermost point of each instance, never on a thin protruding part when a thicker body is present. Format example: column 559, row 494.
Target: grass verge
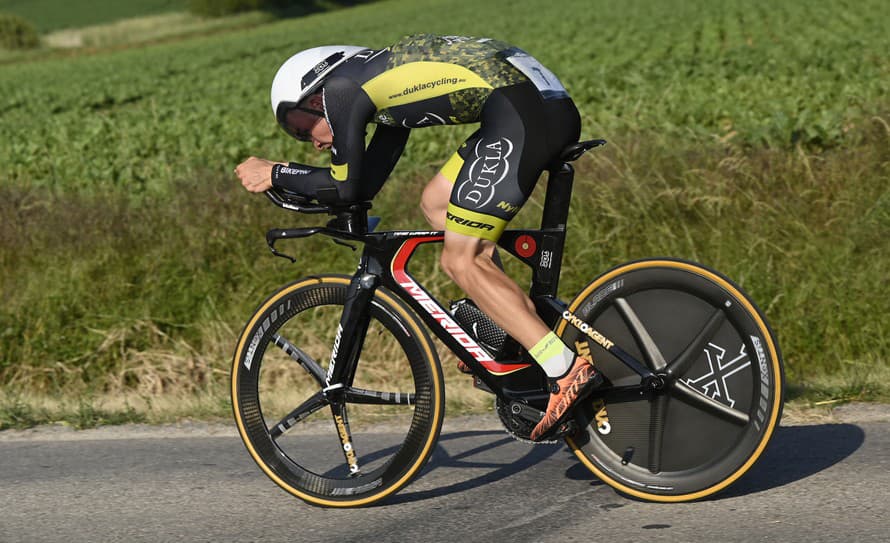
column 20, row 413
column 812, row 401
column 107, row 298
column 150, row 28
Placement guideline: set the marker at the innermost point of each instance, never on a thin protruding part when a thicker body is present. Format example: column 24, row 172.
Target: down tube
column 440, row 321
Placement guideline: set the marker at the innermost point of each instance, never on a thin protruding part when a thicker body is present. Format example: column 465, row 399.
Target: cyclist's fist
column 255, row 174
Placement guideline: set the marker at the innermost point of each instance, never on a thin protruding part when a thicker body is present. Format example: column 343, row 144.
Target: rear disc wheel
column 723, row 371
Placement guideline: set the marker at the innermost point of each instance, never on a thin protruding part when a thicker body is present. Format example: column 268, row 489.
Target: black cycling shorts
column 496, row 169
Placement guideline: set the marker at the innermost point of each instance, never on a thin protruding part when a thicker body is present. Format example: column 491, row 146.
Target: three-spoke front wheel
column 722, row 397
column 338, row 446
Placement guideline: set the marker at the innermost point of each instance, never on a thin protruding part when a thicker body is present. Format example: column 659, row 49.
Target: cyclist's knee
column 453, row 263
column 433, row 214
column 461, row 256
column 434, row 201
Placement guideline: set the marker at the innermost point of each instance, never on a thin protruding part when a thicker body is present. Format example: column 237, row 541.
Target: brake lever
column 282, row 255
column 271, row 242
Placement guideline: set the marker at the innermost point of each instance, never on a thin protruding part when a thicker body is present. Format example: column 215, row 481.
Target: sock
column 553, row 355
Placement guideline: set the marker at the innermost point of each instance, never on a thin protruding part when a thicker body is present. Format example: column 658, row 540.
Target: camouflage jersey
column 426, row 80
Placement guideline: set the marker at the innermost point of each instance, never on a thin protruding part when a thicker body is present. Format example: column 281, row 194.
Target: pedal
column 477, row 383
column 568, row 428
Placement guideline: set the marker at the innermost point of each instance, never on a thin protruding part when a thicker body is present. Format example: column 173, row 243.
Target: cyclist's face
column 307, row 126
column 300, row 123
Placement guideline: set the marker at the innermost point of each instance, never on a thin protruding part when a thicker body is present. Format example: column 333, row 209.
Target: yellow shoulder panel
column 418, row 81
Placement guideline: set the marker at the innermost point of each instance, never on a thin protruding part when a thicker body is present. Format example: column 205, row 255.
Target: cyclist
column 328, row 95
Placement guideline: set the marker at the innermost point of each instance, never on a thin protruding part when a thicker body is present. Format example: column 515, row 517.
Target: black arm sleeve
column 380, row 158
column 355, row 174
column 309, row 181
column 348, row 111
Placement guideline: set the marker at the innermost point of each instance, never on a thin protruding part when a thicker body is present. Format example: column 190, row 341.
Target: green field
column 684, row 72
column 49, row 15
column 752, row 137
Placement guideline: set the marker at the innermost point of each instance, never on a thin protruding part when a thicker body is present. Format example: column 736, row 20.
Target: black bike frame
column 384, row 262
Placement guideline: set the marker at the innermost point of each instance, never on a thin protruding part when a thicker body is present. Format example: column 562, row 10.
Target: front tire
column 395, row 404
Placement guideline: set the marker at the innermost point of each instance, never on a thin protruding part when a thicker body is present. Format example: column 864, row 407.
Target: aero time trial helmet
column 303, row 73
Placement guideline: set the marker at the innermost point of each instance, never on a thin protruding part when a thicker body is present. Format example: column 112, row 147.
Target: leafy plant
column 17, row 33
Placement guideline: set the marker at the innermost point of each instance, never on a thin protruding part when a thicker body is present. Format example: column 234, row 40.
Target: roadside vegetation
column 752, row 138
column 87, row 26
column 50, row 15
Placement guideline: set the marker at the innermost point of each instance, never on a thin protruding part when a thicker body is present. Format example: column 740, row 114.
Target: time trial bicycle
column 693, row 373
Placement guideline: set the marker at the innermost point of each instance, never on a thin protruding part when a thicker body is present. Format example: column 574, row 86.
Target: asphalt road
column 818, row 482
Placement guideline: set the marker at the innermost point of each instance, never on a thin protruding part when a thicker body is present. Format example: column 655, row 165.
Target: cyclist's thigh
column 498, row 166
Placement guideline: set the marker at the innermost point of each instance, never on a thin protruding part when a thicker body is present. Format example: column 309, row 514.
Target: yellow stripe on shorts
column 470, row 223
column 451, row 169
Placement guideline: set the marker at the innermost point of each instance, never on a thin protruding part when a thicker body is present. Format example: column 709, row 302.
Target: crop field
column 752, row 136
column 49, row 15
column 686, row 72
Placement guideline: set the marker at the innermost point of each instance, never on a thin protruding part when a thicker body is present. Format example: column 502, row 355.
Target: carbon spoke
column 708, row 404
column 306, row 361
column 678, row 367
column 313, row 404
column 658, row 416
column 360, row 395
column 620, row 394
column 650, row 349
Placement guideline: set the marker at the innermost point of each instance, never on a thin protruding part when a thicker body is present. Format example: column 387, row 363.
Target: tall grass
column 151, row 28
column 807, row 235
column 108, row 296
column 752, row 139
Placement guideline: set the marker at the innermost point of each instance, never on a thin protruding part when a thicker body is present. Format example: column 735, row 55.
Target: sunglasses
column 299, row 122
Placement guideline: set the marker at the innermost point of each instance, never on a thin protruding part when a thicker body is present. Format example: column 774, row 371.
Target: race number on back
column 546, row 82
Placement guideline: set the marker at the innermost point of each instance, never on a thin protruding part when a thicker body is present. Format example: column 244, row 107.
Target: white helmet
column 303, row 73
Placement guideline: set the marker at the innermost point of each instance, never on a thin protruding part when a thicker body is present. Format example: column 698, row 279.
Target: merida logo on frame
column 444, row 320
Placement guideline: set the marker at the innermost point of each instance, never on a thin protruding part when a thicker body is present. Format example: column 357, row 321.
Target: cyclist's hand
column 256, row 174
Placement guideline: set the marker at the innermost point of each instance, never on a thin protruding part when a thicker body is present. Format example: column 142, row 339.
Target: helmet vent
column 319, row 68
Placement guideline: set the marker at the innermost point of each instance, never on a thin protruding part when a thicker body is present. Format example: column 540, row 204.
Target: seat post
column 558, row 196
column 559, row 184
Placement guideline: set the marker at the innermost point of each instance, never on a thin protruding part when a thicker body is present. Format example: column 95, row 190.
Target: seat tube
column 545, row 281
